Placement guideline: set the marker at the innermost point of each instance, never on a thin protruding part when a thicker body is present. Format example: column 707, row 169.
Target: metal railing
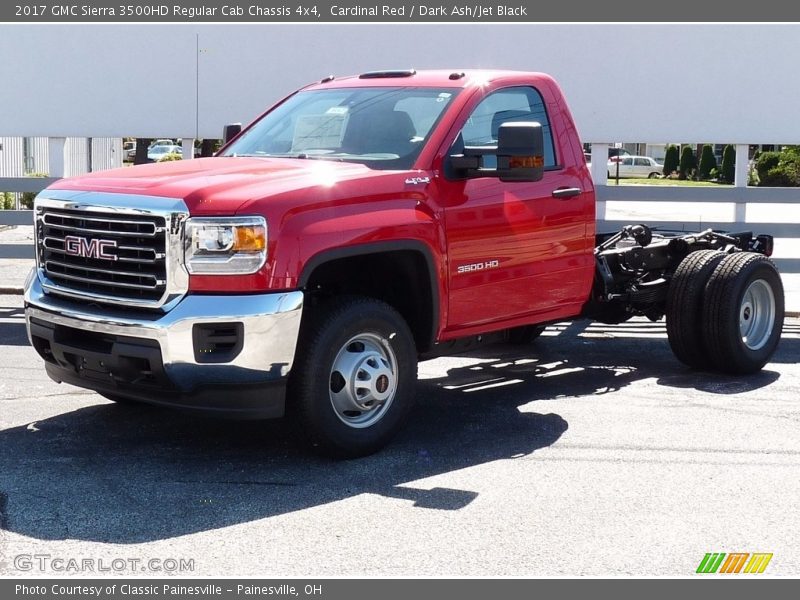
column 741, row 198
column 20, row 217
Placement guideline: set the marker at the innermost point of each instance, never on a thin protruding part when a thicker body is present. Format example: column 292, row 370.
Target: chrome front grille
column 106, row 252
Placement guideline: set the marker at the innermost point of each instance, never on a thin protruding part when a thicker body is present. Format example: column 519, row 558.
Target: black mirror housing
column 520, row 151
column 230, row 131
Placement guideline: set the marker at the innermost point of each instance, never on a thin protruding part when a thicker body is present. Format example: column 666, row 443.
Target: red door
column 515, row 249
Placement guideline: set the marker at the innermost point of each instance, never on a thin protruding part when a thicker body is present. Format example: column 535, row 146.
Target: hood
column 219, row 185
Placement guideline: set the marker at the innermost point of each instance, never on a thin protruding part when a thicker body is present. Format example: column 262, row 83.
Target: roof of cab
column 448, row 78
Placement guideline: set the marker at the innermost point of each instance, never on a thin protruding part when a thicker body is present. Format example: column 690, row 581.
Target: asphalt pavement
column 590, row 452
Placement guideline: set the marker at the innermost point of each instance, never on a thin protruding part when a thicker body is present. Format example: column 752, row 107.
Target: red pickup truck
column 357, row 226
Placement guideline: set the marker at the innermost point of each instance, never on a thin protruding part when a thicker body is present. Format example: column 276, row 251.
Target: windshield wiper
column 299, row 155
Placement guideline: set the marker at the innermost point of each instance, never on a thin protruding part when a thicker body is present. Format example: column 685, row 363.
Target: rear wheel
column 743, row 313
column 684, row 309
column 352, row 385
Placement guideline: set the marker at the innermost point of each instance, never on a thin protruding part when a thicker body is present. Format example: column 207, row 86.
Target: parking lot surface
column 589, row 452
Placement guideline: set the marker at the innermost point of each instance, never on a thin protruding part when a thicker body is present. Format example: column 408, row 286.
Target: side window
column 642, row 162
column 626, row 161
column 503, row 106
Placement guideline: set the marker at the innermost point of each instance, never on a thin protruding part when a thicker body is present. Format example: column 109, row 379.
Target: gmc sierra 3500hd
column 359, row 225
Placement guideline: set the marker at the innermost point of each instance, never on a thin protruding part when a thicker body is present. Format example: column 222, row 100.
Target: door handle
column 566, row 192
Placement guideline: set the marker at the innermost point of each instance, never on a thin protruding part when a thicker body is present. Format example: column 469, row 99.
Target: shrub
column 784, row 175
column 6, row 200
column 728, row 169
column 27, row 198
column 170, row 157
column 779, row 169
column 688, row 162
column 708, row 162
column 671, row 160
column 765, row 162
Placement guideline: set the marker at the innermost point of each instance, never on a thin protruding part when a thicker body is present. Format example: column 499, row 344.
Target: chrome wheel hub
column 757, row 314
column 363, row 380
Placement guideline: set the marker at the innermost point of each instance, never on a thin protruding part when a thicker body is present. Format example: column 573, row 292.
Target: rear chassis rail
column 634, row 267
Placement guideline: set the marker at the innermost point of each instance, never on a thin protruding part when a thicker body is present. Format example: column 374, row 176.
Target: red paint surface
column 543, row 246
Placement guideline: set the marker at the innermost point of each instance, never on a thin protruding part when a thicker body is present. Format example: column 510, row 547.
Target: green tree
column 728, row 170
column 671, row 160
column 688, row 162
column 779, row 169
column 6, row 200
column 765, row 162
column 707, row 162
column 27, row 198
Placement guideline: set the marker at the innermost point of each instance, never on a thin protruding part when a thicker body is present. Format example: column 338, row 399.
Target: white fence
column 775, row 211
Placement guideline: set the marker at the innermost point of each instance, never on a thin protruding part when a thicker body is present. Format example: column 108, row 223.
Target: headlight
column 225, row 245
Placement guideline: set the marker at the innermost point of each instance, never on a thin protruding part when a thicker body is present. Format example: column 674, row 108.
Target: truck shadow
column 132, row 474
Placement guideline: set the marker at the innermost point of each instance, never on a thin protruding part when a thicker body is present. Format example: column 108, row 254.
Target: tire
column 684, row 307
column 525, row 334
column 743, row 313
column 352, row 383
column 653, row 176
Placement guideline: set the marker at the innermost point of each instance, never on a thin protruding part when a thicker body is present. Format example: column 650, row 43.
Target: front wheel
column 352, row 384
column 653, row 176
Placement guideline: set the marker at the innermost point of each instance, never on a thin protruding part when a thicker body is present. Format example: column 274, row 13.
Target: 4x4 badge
column 417, row 180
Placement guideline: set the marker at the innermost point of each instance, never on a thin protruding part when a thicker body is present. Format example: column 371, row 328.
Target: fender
column 381, row 247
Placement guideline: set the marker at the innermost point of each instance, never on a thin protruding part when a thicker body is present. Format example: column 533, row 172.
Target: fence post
column 600, row 175
column 56, row 151
column 188, row 148
column 740, row 180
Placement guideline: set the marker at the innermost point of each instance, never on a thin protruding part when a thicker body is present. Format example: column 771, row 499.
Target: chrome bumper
column 271, row 324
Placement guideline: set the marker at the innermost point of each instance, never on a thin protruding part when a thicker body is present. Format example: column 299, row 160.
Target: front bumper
column 229, row 354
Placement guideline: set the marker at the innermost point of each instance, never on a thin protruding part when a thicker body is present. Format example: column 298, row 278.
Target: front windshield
column 383, row 128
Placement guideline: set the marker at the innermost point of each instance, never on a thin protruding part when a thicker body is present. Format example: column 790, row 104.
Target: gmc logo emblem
column 80, row 246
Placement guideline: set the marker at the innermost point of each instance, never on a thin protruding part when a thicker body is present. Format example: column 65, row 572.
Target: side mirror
column 520, row 152
column 230, row 131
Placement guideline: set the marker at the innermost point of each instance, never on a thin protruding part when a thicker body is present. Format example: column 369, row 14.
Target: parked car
column 614, row 154
column 128, row 151
column 161, row 142
column 635, row 166
column 156, row 153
